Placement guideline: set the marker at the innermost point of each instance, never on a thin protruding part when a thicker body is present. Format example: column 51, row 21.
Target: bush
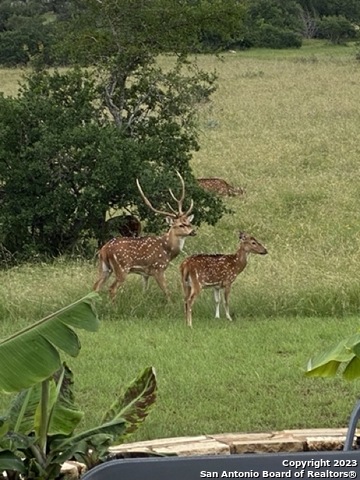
column 269, row 36
column 14, row 49
column 19, row 45
column 336, row 29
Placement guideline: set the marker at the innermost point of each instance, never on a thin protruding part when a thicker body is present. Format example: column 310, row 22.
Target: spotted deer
column 218, row 271
column 148, row 256
column 220, row 187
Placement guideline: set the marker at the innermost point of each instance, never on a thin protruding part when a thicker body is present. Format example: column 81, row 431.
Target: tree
column 59, row 164
column 119, row 27
column 273, row 23
column 25, row 32
column 336, row 29
column 25, row 41
column 202, row 24
column 315, row 11
column 350, row 9
column 72, row 145
column 309, row 23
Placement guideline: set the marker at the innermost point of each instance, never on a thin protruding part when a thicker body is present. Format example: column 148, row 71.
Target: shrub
column 269, row 36
column 19, row 45
column 336, row 29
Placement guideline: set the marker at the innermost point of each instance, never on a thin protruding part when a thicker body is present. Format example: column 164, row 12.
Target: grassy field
column 285, row 125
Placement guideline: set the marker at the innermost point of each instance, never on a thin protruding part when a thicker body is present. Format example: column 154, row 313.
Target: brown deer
column 147, row 256
column 220, row 187
column 218, row 271
column 125, row 225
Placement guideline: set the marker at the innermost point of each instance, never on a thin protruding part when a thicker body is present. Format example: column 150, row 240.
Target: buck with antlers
column 218, row 271
column 147, row 256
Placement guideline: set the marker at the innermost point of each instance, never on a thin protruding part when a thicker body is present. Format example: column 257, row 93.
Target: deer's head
column 251, row 245
column 178, row 220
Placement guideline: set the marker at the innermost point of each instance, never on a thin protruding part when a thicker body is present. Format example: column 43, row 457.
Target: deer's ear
column 169, row 220
column 242, row 235
column 190, row 218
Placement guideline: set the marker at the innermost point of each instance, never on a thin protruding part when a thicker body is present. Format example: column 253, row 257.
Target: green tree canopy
column 273, row 23
column 74, row 143
column 64, row 163
column 336, row 29
column 350, row 9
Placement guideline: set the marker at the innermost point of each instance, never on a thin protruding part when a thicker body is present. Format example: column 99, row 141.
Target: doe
column 220, row 187
column 218, row 271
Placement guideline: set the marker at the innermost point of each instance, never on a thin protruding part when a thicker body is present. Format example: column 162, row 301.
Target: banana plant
column 38, row 431
column 346, row 353
column 32, row 355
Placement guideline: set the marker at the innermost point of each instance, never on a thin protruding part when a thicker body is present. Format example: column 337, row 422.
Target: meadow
column 284, row 125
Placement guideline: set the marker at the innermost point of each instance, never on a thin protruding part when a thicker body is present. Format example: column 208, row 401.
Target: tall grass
column 285, row 125
column 10, row 78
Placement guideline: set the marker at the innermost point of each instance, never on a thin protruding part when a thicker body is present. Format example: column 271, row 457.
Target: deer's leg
column 160, row 279
column 188, row 314
column 120, row 275
column 194, row 292
column 217, row 302
column 226, row 301
column 145, row 282
column 104, row 274
column 186, row 286
column 119, row 280
column 189, row 300
column 187, row 293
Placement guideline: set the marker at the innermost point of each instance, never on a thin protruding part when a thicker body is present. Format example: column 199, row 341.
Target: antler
column 179, row 201
column 148, row 203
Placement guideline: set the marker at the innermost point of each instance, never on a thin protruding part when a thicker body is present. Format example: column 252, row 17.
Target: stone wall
column 232, row 443
column 319, row 439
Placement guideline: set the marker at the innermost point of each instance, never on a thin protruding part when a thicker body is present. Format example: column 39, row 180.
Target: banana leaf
column 346, row 354
column 4, row 425
column 65, row 448
column 23, row 413
column 31, row 355
column 9, row 461
column 16, row 442
column 63, row 414
column 124, row 416
column 134, row 405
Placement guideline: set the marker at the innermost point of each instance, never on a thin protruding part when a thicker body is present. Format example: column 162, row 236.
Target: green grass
column 218, row 377
column 284, row 124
